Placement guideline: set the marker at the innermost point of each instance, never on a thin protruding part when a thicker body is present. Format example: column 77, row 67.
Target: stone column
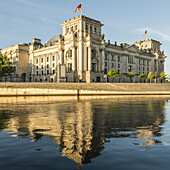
column 102, row 60
column 73, row 59
column 85, row 59
column 89, row 59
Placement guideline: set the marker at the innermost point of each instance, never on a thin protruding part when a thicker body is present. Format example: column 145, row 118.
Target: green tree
column 163, row 76
column 5, row 67
column 113, row 73
column 131, row 75
column 143, row 75
column 150, row 76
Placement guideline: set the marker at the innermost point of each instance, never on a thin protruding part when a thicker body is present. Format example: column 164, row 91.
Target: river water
column 86, row 133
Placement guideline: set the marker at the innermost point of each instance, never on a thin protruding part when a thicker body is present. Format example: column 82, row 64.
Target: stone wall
column 71, row 89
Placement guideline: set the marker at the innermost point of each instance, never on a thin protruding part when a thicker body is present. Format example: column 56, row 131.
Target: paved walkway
column 117, row 87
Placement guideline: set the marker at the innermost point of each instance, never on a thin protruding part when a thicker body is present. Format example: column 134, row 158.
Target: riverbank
column 82, row 89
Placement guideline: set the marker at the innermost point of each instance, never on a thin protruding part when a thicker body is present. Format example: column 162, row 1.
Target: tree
column 142, row 75
column 130, row 74
column 150, row 76
column 113, row 73
column 163, row 76
column 5, row 67
column 155, row 77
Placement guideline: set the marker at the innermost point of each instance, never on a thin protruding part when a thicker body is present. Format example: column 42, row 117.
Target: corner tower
column 78, row 35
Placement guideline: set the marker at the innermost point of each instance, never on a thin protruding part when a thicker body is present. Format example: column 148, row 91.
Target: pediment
column 133, row 48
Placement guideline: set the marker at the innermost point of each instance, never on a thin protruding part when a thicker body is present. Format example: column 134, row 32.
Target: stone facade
column 81, row 53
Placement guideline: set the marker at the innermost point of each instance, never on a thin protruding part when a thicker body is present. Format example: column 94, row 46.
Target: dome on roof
column 53, row 40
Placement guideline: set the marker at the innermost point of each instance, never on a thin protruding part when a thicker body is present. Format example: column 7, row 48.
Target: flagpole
column 81, row 10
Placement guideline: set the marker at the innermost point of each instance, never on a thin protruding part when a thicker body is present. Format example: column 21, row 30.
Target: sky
column 124, row 20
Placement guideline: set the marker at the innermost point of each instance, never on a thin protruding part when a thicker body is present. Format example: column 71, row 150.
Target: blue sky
column 124, row 20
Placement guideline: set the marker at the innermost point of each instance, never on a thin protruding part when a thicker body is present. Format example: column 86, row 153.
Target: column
column 102, row 59
column 85, row 59
column 73, row 59
column 89, row 59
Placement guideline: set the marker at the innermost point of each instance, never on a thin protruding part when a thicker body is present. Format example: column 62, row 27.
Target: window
column 86, row 27
column 105, row 71
column 42, row 60
column 37, row 61
column 147, row 63
column 48, row 72
column 42, row 67
column 69, row 67
column 72, row 28
column 53, row 64
column 112, row 65
column 47, row 65
column 37, row 73
column 105, row 64
column 93, row 67
column 76, row 27
column 139, row 61
column 148, row 69
column 139, row 68
column 95, row 30
column 129, row 68
column 143, row 69
column 93, row 54
column 105, row 57
column 47, row 59
column 112, row 57
column 67, row 30
column 143, row 62
column 118, row 65
column 53, row 71
column 37, row 67
column 130, row 59
column 91, row 29
column 53, row 58
column 118, row 58
column 42, row 72
column 69, row 54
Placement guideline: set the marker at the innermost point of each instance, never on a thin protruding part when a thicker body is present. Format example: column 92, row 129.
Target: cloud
column 160, row 35
column 27, row 2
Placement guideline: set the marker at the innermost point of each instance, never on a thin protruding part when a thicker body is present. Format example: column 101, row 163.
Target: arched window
column 72, row 28
column 69, row 54
column 91, row 28
column 86, row 27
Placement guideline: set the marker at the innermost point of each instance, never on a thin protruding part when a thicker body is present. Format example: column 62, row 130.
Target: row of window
column 143, row 62
column 47, row 59
column 45, row 73
column 112, row 58
column 144, row 69
column 92, row 29
column 42, row 67
column 72, row 29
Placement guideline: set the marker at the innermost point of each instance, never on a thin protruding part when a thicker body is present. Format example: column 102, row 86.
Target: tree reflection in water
column 82, row 128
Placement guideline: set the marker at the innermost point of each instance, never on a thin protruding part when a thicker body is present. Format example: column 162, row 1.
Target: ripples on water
column 66, row 133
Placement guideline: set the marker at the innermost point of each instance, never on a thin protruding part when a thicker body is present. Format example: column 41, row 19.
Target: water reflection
column 81, row 128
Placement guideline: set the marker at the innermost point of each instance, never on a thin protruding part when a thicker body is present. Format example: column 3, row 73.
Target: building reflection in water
column 82, row 128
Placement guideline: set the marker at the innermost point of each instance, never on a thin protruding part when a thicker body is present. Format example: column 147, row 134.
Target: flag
column 145, row 33
column 79, row 8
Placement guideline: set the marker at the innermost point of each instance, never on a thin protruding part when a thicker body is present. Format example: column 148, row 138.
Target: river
column 127, row 132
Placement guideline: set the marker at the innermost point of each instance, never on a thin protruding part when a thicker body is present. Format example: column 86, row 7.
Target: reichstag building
column 81, row 53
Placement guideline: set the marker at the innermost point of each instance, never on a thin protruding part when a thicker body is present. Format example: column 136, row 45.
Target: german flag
column 145, row 33
column 79, row 8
